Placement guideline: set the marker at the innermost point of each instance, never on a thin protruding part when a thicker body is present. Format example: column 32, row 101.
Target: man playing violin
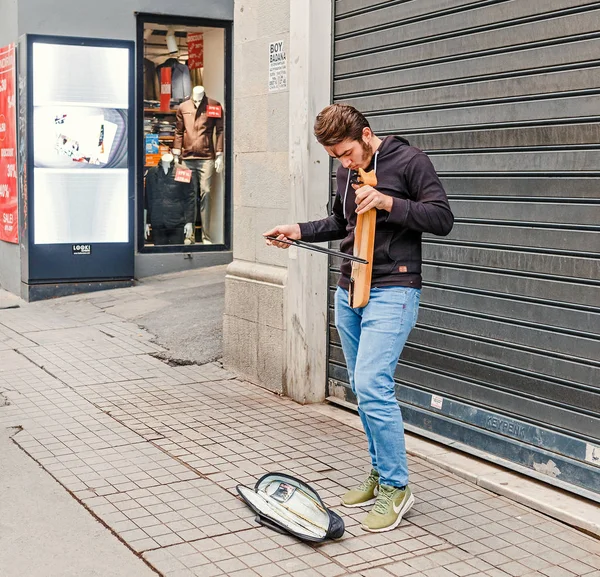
column 409, row 200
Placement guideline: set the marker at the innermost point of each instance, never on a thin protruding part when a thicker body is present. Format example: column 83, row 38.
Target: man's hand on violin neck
column 367, row 198
column 283, row 232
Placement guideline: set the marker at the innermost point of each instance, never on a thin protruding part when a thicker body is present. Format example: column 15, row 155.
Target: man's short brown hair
column 337, row 122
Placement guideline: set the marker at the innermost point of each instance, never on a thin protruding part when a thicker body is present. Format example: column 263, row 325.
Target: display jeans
column 202, row 176
column 167, row 235
column 372, row 339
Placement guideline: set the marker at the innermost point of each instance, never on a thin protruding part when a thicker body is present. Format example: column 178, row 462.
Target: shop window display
column 184, row 128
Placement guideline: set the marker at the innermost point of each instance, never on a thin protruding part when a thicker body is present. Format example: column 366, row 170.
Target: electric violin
column 364, row 243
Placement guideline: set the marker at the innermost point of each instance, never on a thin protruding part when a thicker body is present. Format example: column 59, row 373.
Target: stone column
column 306, row 295
column 276, row 301
column 253, row 328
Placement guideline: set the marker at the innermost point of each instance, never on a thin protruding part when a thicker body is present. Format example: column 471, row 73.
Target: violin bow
column 309, row 246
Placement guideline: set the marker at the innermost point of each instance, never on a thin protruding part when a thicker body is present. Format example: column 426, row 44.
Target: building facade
column 103, row 79
column 504, row 97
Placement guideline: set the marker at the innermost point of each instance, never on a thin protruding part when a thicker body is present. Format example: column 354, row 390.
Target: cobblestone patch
column 155, row 451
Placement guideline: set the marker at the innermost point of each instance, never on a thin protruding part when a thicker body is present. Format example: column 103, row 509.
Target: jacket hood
column 390, row 145
column 388, row 150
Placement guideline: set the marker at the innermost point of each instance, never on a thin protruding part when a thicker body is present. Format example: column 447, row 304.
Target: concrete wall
column 10, row 263
column 8, row 21
column 275, row 306
column 10, row 267
column 109, row 18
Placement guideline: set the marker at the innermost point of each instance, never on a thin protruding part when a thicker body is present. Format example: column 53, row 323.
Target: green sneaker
column 392, row 503
column 365, row 493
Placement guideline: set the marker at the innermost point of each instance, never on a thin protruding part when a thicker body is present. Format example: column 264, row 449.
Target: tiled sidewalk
column 155, row 452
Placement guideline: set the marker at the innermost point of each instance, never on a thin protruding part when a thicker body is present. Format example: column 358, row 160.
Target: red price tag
column 213, row 111
column 183, row 175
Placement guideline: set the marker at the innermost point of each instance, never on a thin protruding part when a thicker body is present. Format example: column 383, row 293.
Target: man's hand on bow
column 283, row 232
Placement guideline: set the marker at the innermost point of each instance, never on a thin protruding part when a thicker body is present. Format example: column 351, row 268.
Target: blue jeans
column 372, row 339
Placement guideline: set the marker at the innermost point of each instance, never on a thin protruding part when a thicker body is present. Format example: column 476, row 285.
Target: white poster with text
column 277, row 67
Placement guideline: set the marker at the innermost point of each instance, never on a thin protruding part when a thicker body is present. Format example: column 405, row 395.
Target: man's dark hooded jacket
column 420, row 205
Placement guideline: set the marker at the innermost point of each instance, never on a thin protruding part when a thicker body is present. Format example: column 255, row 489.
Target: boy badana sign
column 277, row 66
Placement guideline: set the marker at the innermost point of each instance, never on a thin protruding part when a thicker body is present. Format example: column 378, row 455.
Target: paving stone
column 475, row 548
column 438, row 572
column 271, row 570
column 401, row 569
column 512, row 552
column 556, row 572
column 461, row 569
column 515, row 569
column 578, row 567
column 375, row 572
column 330, row 570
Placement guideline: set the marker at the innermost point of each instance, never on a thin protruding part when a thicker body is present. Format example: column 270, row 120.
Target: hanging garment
column 181, row 83
column 151, row 84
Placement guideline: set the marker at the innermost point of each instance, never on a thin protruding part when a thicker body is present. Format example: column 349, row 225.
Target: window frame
column 142, row 19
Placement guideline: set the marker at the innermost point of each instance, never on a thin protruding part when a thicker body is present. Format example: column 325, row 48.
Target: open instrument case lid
column 288, row 505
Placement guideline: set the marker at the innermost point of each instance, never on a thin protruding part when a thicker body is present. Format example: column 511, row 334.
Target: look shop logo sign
column 9, row 208
column 82, row 249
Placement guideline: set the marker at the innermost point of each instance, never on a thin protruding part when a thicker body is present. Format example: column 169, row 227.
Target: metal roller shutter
column 505, row 98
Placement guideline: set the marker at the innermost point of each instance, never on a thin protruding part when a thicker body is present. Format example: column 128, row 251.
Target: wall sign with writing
column 9, row 211
column 277, row 67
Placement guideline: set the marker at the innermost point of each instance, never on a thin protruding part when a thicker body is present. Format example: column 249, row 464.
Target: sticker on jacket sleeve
column 183, row 175
column 402, row 269
column 213, row 111
column 436, row 402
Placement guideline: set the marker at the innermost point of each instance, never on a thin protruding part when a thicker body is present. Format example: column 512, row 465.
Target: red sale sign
column 195, row 44
column 9, row 208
